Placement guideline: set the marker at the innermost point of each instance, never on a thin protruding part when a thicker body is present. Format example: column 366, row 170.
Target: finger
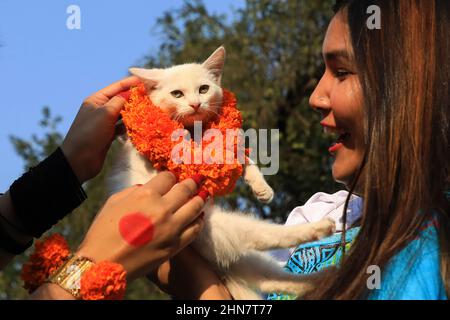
column 119, row 86
column 180, row 194
column 188, row 213
column 162, row 182
column 125, row 94
column 191, row 232
column 114, row 105
column 101, row 97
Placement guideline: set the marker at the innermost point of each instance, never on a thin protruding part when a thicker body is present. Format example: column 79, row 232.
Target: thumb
column 115, row 105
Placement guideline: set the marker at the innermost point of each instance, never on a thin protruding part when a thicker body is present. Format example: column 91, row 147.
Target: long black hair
column 404, row 71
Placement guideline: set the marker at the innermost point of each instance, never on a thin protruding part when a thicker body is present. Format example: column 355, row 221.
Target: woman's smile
column 338, row 97
column 340, row 137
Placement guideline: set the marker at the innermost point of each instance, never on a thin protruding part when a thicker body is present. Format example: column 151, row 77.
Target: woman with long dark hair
column 385, row 93
column 402, row 71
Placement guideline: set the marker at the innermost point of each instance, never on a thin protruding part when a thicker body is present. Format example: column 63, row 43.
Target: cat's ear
column 215, row 63
column 150, row 77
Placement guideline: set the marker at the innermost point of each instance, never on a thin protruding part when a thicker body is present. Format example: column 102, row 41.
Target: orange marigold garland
column 103, row 281
column 150, row 130
column 49, row 255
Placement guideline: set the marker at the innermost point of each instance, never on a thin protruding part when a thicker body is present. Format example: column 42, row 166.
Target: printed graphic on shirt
column 315, row 256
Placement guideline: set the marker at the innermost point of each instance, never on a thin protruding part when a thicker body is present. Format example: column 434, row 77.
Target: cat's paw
column 261, row 189
column 263, row 192
column 325, row 227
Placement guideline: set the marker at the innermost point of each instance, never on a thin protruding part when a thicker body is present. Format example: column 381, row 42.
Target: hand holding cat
column 92, row 131
column 189, row 276
column 142, row 226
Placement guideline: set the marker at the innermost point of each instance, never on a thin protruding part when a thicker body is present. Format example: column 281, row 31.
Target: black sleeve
column 46, row 194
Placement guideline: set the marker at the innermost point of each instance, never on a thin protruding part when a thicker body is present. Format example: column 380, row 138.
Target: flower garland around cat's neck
column 150, row 130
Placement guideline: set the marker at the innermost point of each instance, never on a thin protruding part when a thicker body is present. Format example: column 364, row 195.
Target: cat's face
column 188, row 92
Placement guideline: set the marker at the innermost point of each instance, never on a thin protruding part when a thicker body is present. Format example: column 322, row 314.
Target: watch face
column 68, row 276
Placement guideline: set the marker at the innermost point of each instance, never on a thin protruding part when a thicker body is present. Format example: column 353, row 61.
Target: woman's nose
column 320, row 100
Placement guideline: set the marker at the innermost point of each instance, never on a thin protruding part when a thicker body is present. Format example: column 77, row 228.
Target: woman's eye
column 342, row 73
column 204, row 89
column 177, row 93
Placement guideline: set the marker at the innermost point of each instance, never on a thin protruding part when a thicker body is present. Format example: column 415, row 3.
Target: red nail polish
column 198, row 178
column 125, row 94
column 204, row 194
column 139, row 185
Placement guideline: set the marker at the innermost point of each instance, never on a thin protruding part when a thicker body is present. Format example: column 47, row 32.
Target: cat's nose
column 195, row 106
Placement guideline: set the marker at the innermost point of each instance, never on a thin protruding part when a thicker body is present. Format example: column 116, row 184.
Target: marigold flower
column 49, row 255
column 150, row 130
column 103, row 281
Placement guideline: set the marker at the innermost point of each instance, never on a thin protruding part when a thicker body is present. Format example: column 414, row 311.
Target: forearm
column 216, row 291
column 11, row 228
column 50, row 291
column 35, row 202
column 8, row 213
column 46, row 194
column 189, row 276
column 5, row 258
column 5, row 210
column 189, row 286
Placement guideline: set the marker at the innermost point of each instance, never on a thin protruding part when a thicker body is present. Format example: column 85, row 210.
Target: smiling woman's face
column 338, row 97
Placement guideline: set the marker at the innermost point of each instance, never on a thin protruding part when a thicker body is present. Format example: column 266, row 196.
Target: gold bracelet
column 68, row 276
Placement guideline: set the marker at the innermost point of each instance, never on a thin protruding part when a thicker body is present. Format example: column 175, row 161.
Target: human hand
column 142, row 226
column 189, row 276
column 92, row 132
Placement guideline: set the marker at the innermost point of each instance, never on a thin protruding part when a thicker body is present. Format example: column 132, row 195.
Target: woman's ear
column 215, row 64
column 150, row 77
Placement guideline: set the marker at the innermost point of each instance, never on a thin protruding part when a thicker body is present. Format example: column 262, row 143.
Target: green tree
column 273, row 63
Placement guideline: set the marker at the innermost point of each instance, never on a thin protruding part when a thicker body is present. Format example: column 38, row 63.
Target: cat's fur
column 232, row 242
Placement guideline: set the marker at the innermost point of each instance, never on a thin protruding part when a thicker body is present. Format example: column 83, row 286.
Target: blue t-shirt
column 412, row 274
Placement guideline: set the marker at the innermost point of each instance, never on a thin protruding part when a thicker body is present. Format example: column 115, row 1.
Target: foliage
column 273, row 63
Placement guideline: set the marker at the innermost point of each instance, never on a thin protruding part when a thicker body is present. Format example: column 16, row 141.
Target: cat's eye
column 177, row 93
column 204, row 89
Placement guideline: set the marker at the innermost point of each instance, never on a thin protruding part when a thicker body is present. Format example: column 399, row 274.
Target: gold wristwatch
column 68, row 276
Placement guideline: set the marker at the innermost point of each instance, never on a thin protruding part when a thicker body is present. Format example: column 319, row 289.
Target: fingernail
column 198, row 178
column 204, row 194
column 125, row 94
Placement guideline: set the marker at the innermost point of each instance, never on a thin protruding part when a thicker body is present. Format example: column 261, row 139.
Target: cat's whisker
column 179, row 117
column 215, row 105
column 212, row 111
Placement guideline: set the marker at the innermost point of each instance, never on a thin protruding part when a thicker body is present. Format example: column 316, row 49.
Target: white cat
column 231, row 241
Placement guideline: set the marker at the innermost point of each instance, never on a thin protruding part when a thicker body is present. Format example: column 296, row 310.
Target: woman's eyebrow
column 337, row 54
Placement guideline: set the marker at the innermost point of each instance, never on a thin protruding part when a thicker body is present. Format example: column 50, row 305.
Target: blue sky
column 43, row 63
